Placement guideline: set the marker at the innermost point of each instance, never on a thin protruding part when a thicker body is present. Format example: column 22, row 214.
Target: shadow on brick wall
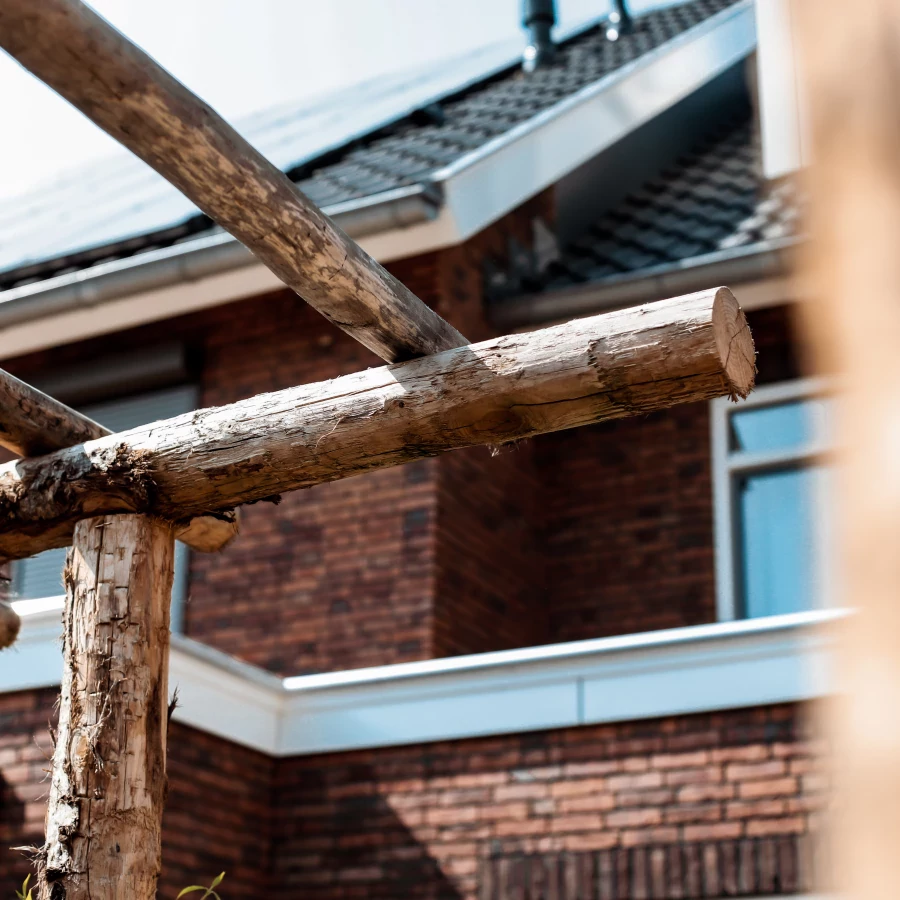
column 14, row 864
column 338, row 835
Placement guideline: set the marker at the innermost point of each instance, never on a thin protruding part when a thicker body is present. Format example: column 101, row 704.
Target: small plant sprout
column 207, row 891
column 25, row 893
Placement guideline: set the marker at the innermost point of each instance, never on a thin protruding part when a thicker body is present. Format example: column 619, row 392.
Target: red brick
column 752, row 809
column 777, row 787
column 755, row 771
column 765, row 827
column 697, row 793
column 714, row 832
column 633, row 818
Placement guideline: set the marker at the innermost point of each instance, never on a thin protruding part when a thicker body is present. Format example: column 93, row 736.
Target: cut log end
column 734, row 343
column 9, row 625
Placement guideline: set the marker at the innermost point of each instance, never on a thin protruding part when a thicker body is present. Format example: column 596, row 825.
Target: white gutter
column 663, row 673
column 765, row 261
column 477, row 190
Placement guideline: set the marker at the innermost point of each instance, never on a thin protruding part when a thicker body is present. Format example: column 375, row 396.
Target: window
column 41, row 575
column 770, row 490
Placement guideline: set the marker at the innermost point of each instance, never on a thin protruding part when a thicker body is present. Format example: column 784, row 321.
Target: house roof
column 712, row 203
column 349, row 149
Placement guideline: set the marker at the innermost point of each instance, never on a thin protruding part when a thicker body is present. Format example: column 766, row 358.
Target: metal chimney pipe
column 620, row 21
column 538, row 17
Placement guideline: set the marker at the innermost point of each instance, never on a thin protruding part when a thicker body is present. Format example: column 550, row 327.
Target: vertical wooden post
column 108, row 782
column 851, row 60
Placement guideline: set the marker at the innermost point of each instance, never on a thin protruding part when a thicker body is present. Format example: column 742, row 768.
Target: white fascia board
column 673, row 672
column 226, row 697
column 216, row 693
column 681, row 671
column 498, row 177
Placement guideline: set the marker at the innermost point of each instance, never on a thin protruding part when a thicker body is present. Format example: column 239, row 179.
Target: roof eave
column 757, row 263
column 457, row 202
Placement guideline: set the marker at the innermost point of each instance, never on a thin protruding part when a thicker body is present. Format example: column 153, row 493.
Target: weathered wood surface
column 108, row 780
column 10, row 623
column 623, row 363
column 851, row 276
column 33, row 423
column 132, row 98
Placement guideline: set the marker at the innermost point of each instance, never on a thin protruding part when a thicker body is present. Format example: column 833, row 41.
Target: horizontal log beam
column 623, row 363
column 131, row 97
column 33, row 424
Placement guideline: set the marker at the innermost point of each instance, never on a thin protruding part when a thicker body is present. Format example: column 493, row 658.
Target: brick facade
column 720, row 798
column 598, row 531
column 445, row 820
column 218, row 807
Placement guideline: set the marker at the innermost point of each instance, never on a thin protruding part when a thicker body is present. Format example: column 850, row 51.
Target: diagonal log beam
column 121, row 89
column 623, row 363
column 32, row 424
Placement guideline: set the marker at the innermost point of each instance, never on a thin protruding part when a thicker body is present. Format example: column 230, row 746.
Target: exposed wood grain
column 623, row 363
column 851, row 63
column 32, row 424
column 108, row 782
column 132, row 98
column 9, row 625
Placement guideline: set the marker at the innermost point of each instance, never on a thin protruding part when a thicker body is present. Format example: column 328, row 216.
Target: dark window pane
column 779, row 427
column 40, row 576
column 779, row 541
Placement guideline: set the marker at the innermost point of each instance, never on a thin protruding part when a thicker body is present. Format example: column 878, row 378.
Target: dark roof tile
column 713, row 199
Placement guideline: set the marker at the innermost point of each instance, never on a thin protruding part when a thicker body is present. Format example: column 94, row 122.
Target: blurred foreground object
column 851, row 270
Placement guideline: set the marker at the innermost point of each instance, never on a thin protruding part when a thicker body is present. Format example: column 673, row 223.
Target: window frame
column 726, row 464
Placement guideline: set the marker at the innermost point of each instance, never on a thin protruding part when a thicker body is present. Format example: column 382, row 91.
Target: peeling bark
column 121, row 89
column 104, row 816
column 32, row 424
column 624, row 363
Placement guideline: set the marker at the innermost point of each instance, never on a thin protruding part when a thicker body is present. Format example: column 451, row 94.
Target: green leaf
column 190, row 890
column 217, row 880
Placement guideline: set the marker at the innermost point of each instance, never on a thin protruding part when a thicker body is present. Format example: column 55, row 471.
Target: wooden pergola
column 120, row 500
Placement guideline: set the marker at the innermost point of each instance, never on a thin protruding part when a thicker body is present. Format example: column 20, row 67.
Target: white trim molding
column 680, row 671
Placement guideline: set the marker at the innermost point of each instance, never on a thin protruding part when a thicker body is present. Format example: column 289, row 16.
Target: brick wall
column 490, row 578
column 598, row 531
column 448, row 820
column 217, row 810
column 628, row 511
column 713, row 799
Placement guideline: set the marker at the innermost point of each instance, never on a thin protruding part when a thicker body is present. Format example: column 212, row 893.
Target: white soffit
column 784, row 140
column 664, row 673
column 478, row 189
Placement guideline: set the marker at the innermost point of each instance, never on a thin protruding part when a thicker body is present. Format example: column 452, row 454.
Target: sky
column 245, row 55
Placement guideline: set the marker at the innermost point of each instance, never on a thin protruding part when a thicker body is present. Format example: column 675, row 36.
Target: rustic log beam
column 121, row 89
column 622, row 363
column 32, row 424
column 108, row 782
